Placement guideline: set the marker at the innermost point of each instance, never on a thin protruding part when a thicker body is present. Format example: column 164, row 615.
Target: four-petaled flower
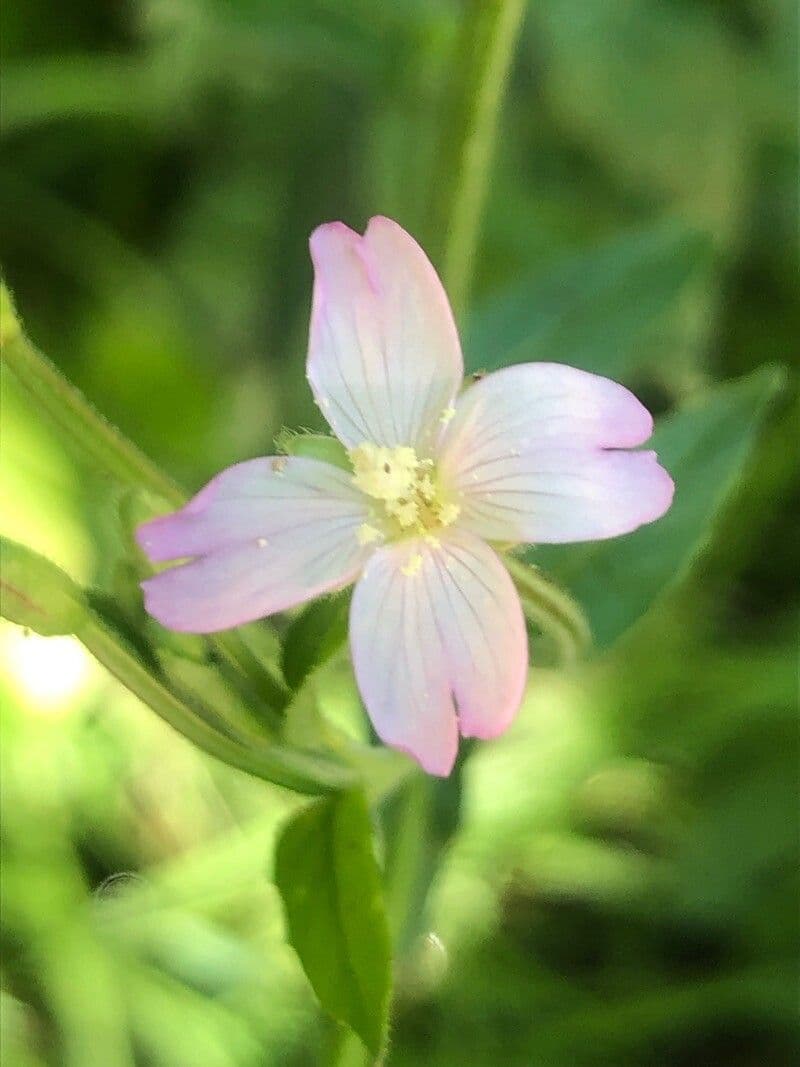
column 532, row 453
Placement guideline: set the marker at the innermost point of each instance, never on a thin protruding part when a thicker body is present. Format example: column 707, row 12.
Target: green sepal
column 314, row 446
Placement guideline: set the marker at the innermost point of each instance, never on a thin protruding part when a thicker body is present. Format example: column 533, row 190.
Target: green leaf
column 328, row 878
column 589, row 309
column 36, row 593
column 313, row 637
column 704, row 447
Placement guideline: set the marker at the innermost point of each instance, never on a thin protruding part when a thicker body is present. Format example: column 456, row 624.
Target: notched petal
column 262, row 536
column 538, row 453
column 439, row 645
column 384, row 355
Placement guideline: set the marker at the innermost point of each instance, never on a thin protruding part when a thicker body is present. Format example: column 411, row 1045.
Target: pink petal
column 537, row 453
column 440, row 649
column 384, row 357
column 267, row 534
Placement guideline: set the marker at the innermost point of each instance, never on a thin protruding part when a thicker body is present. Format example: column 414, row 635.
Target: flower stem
column 488, row 41
column 551, row 609
column 302, row 772
column 69, row 410
column 111, row 452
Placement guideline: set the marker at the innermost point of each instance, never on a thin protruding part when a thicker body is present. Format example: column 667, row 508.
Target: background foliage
column 622, row 888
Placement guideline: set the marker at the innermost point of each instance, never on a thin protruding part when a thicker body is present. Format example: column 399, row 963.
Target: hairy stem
column 69, row 410
column 110, row 451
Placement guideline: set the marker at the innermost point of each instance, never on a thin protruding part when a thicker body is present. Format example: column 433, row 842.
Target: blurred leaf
column 36, row 593
column 41, row 90
column 203, row 956
column 313, row 637
column 589, row 309
column 704, row 447
column 171, row 384
column 170, row 1021
column 328, row 878
column 633, row 81
column 17, row 1033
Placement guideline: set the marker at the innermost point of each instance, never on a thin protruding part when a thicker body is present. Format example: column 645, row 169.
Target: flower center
column 412, row 501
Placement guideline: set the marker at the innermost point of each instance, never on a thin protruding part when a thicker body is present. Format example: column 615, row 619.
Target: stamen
column 407, row 488
column 366, row 534
column 448, row 513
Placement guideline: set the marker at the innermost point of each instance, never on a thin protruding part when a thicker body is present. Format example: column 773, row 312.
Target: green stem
column 424, row 817
column 109, row 451
column 406, row 858
column 551, row 609
column 419, row 822
column 299, row 771
column 69, row 410
column 488, row 41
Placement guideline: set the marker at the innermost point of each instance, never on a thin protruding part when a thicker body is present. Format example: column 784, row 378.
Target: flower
column 536, row 452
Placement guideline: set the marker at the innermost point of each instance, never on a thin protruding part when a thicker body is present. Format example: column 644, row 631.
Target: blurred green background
column 623, row 889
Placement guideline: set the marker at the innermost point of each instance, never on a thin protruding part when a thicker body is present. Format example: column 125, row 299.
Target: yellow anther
column 412, row 566
column 366, row 534
column 426, row 487
column 447, row 415
column 407, row 488
column 384, row 473
column 405, row 511
column 448, row 513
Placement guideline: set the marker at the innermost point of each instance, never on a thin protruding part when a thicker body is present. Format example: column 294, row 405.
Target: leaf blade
column 330, row 885
column 588, row 309
column 313, row 637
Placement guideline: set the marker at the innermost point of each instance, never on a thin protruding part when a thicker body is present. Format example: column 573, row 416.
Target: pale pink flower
column 532, row 453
